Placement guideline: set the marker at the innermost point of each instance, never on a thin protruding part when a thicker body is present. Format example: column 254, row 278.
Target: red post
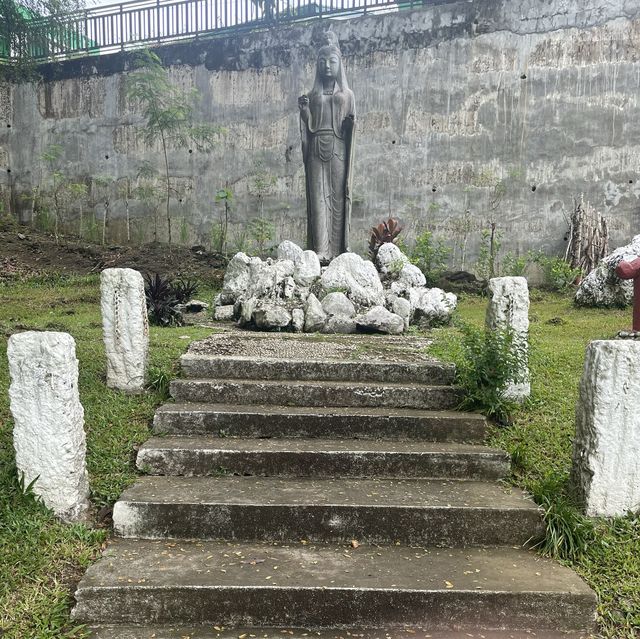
column 631, row 271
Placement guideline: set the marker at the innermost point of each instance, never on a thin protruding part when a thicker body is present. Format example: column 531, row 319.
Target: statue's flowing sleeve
column 349, row 138
column 304, row 137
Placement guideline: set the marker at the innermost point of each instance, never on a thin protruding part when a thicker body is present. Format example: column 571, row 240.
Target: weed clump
column 490, row 361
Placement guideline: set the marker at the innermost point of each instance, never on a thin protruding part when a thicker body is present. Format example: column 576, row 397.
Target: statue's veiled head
column 329, row 65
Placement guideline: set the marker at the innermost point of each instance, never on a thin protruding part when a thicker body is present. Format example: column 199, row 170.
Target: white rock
column 236, row 279
column 432, row 304
column 196, row 306
column 267, row 279
column 340, row 324
column 314, row 316
column 338, row 304
column 509, row 308
column 411, row 276
column 390, row 260
column 288, row 287
column 402, row 308
column 357, row 277
column 297, row 320
column 271, row 316
column 49, row 434
column 380, row 320
column 125, row 328
column 224, row 313
column 245, row 313
column 287, row 250
column 606, row 463
column 602, row 288
column 307, row 269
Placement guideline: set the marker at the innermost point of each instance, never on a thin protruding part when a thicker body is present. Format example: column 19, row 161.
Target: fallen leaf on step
column 448, row 584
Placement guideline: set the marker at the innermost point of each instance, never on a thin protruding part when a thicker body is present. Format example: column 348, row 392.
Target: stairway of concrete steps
column 343, row 498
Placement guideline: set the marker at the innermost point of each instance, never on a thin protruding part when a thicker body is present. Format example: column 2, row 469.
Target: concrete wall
column 468, row 113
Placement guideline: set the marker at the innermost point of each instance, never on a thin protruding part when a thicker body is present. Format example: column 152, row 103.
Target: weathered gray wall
column 500, row 110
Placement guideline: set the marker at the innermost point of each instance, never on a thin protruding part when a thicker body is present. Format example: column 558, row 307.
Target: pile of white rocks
column 602, row 288
column 352, row 294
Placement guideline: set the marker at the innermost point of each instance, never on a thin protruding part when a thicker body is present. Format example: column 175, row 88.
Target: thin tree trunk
column 104, row 224
column 492, row 251
column 126, row 209
column 166, row 167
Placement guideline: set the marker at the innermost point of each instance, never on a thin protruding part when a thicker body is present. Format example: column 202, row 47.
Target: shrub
column 514, row 266
column 184, row 290
column 161, row 301
column 430, row 256
column 558, row 274
column 490, row 361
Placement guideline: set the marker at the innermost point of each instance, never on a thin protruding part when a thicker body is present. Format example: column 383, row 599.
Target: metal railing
column 141, row 22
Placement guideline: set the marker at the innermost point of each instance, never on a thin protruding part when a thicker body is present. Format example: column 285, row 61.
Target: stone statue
column 327, row 117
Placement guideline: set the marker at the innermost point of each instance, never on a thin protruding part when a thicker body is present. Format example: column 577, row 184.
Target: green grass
column 41, row 559
column 606, row 553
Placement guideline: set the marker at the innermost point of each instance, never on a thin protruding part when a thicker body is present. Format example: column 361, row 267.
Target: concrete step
column 407, row 632
column 318, row 422
column 316, row 393
column 199, row 456
column 235, row 367
column 226, row 584
column 412, row 511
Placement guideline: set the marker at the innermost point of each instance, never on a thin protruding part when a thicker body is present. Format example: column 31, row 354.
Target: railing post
column 158, row 20
column 121, row 29
column 86, row 30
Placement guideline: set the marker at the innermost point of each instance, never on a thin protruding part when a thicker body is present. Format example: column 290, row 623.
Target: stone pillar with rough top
column 125, row 328
column 48, row 434
column 606, row 464
column 509, row 308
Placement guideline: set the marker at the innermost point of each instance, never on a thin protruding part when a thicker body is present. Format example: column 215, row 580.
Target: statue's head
column 329, row 64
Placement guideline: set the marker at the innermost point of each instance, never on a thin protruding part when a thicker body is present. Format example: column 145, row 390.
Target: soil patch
column 27, row 252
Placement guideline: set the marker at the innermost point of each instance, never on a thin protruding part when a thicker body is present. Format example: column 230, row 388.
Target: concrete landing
column 261, row 584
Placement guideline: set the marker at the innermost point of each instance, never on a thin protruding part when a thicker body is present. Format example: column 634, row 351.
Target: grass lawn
column 40, row 559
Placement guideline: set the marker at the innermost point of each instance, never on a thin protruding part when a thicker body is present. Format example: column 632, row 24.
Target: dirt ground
column 25, row 252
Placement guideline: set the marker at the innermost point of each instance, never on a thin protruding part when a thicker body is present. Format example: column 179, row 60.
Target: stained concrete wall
column 468, row 113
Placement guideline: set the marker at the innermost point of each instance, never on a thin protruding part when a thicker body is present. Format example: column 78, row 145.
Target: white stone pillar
column 125, row 328
column 606, row 450
column 48, row 435
column 509, row 308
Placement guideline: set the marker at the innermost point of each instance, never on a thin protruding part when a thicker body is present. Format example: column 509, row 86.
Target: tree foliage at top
column 16, row 16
